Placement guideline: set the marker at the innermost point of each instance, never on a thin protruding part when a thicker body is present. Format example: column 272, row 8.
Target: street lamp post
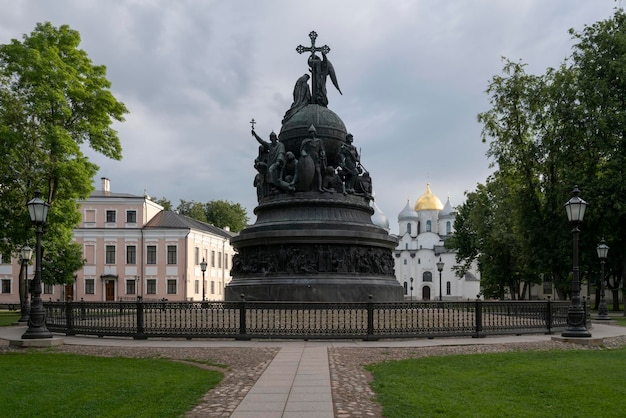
column 203, row 268
column 38, row 211
column 603, row 310
column 26, row 253
column 440, row 268
column 576, row 320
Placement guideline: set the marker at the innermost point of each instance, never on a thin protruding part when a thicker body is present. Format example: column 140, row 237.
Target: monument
column 313, row 239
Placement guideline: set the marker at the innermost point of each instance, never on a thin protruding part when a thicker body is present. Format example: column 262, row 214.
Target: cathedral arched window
column 448, row 228
column 427, row 276
column 429, row 226
column 448, row 288
column 408, row 228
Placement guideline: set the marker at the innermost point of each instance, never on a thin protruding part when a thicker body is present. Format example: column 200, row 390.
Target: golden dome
column 428, row 201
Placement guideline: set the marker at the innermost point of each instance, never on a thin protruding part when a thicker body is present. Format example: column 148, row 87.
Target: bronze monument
column 313, row 239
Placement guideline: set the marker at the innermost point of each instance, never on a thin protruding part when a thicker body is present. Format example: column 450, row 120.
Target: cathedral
column 423, row 265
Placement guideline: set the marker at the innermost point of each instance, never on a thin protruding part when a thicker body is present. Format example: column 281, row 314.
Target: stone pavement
column 297, row 381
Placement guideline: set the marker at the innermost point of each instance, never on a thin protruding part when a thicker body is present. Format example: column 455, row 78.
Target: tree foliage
column 53, row 100
column 547, row 133
column 219, row 213
column 167, row 205
column 222, row 213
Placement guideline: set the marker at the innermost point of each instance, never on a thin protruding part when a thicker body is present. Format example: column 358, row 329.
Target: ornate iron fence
column 305, row 320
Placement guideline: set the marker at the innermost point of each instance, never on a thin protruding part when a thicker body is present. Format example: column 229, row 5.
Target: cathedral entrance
column 425, row 293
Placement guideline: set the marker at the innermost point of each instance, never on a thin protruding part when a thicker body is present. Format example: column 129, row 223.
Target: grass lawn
column 621, row 320
column 569, row 384
column 8, row 318
column 44, row 383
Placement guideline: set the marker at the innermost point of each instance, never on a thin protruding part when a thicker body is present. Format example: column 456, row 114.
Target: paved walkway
column 297, row 381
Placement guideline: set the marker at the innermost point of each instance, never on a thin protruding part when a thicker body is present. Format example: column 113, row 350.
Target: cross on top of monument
column 320, row 69
column 313, row 49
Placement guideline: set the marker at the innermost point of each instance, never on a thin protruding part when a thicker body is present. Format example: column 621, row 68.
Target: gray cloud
column 413, row 74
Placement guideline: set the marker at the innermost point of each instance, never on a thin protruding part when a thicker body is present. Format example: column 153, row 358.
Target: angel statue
column 320, row 69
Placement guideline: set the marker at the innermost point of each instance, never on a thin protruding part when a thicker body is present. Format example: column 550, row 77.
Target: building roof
column 428, row 201
column 379, row 218
column 172, row 220
column 447, row 209
column 407, row 213
column 100, row 193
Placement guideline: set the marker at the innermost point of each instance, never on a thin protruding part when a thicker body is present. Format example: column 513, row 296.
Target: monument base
column 315, row 289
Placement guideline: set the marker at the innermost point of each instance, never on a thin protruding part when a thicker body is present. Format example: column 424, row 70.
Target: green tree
column 222, row 213
column 192, row 209
column 167, row 205
column 546, row 134
column 599, row 64
column 53, row 100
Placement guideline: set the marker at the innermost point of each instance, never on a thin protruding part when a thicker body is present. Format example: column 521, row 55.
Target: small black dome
column 330, row 129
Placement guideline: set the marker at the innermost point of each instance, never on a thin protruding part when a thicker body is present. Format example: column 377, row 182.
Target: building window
column 448, row 288
column 448, row 228
column 405, row 262
column 90, row 288
column 110, row 216
column 6, row 285
column 131, row 287
column 427, row 276
column 90, row 217
column 109, row 257
column 5, row 259
column 48, row 289
column 196, row 256
column 212, row 287
column 131, row 216
column 219, row 259
column 171, row 254
column 151, row 254
column 406, row 245
column 196, row 287
column 131, row 254
column 408, row 228
column 151, row 286
column 225, row 261
column 212, row 258
column 90, row 254
column 429, row 226
column 171, row 286
column 406, row 288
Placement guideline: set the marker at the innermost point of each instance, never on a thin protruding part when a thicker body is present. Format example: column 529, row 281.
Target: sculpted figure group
column 279, row 171
column 316, row 259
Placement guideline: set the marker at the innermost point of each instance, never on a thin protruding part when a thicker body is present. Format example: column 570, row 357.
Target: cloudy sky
column 413, row 76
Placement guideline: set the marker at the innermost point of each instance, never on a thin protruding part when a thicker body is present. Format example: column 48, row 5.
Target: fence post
column 83, row 312
column 69, row 318
column 370, row 320
column 141, row 332
column 479, row 317
column 549, row 315
column 242, row 319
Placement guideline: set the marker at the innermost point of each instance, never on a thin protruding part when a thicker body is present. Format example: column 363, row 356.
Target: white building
column 422, row 233
column 133, row 247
